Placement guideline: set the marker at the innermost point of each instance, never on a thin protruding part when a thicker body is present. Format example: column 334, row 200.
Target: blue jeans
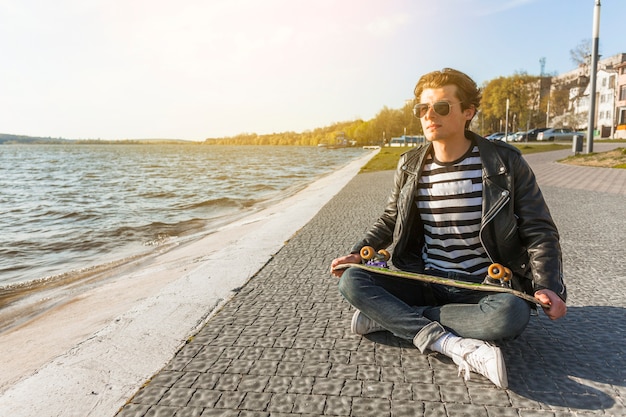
column 422, row 312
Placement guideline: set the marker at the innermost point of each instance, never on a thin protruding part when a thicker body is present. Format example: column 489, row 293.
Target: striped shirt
column 449, row 198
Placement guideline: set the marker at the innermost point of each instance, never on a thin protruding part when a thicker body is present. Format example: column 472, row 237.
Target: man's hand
column 353, row 258
column 557, row 307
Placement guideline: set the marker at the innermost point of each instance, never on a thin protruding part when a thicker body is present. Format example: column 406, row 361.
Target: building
column 610, row 114
column 606, row 92
column 620, row 103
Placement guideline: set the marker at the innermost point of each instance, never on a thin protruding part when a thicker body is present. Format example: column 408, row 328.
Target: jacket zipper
column 502, row 201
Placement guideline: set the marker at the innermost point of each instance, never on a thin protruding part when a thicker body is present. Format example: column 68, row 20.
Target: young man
column 458, row 204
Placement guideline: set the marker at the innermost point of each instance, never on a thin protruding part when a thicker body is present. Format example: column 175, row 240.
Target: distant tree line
column 8, row 139
column 388, row 123
column 528, row 97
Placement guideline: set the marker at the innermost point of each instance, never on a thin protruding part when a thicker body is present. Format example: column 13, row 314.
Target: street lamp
column 593, row 76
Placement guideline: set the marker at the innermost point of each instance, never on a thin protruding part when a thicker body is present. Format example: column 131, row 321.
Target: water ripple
column 71, row 207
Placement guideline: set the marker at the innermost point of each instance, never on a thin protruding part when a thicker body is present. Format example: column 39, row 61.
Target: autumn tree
column 522, row 91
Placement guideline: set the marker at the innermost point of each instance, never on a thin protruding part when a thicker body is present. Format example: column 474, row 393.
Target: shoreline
column 76, row 351
column 23, row 301
column 153, row 196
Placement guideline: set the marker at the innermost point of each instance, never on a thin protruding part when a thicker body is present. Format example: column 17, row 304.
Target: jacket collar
column 489, row 156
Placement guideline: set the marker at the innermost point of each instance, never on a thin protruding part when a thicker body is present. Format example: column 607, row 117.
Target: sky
column 197, row 69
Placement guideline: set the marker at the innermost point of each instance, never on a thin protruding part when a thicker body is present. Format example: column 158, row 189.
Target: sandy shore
column 89, row 355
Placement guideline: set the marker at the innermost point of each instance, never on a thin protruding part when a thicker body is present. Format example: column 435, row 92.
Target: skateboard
column 497, row 279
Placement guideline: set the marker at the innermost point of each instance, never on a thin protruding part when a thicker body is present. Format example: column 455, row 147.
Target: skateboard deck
column 444, row 281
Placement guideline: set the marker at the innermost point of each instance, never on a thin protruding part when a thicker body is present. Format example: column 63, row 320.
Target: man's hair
column 467, row 91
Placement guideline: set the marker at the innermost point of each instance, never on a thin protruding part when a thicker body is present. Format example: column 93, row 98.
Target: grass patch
column 387, row 158
column 615, row 158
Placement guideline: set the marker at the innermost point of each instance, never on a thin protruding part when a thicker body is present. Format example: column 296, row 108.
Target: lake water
column 68, row 208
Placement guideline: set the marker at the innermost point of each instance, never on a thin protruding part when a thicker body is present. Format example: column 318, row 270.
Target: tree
column 411, row 123
column 581, row 54
column 559, row 101
column 522, row 91
column 388, row 122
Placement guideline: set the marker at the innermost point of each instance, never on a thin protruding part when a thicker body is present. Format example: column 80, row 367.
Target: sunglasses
column 442, row 108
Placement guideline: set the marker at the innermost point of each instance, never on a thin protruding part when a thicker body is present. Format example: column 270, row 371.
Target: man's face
column 443, row 118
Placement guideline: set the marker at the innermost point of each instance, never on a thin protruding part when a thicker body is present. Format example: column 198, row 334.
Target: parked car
column 531, row 134
column 495, row 136
column 561, row 133
column 513, row 137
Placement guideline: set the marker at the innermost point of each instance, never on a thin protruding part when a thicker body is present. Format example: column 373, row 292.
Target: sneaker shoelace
column 465, row 367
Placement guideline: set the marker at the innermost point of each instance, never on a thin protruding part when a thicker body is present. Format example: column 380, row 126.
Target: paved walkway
column 282, row 345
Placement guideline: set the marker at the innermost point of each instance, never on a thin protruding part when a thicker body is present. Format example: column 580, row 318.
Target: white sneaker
column 361, row 324
column 480, row 357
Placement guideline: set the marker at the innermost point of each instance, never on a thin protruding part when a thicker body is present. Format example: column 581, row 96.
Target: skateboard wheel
column 507, row 274
column 385, row 254
column 367, row 252
column 495, row 271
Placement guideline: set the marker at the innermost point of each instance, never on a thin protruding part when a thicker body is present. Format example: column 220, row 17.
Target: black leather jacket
column 517, row 229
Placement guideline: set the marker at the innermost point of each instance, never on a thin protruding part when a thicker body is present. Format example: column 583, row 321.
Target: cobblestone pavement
column 282, row 345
